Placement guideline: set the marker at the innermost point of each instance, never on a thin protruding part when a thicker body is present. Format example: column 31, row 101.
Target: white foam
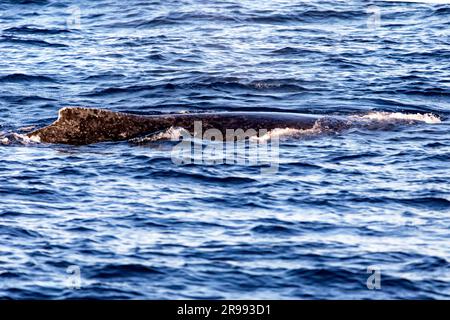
column 280, row 133
column 34, row 139
column 319, row 127
column 398, row 116
column 172, row 133
column 24, row 139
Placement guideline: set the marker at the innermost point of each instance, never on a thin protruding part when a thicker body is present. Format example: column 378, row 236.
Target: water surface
column 139, row 226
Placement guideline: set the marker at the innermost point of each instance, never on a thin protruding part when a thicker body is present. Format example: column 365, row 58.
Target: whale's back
column 80, row 126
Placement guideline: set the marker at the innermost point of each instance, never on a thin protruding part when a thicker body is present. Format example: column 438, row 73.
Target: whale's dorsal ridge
column 72, row 113
column 80, row 125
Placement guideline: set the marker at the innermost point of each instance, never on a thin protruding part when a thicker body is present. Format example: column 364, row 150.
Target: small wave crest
column 20, row 77
column 30, row 42
column 35, row 30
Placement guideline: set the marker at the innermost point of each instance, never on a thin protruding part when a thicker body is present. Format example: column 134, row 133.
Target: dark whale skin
column 82, row 126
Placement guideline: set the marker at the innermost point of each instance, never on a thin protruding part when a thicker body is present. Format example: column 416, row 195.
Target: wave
column 28, row 1
column 20, row 77
column 442, row 11
column 35, row 30
column 175, row 18
column 17, row 232
column 282, row 85
column 124, row 270
column 183, row 17
column 305, row 16
column 32, row 42
column 294, row 51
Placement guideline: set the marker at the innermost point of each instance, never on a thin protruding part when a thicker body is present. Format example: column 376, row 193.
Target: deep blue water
column 139, row 226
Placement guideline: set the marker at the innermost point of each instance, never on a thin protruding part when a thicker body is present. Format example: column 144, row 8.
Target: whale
column 84, row 126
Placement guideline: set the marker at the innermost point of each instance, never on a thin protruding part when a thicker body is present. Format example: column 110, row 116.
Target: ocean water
column 344, row 209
